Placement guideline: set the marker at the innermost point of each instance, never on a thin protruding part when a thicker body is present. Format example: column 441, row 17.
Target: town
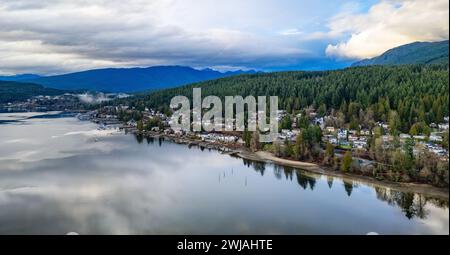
column 356, row 140
column 81, row 101
column 377, row 151
column 310, row 135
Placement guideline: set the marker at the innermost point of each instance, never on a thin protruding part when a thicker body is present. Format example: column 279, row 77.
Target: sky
column 59, row 36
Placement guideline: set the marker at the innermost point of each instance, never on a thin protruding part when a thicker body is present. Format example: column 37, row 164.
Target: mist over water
column 60, row 175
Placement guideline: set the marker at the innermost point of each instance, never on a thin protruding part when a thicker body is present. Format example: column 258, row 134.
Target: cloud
column 291, row 31
column 54, row 36
column 389, row 24
column 58, row 36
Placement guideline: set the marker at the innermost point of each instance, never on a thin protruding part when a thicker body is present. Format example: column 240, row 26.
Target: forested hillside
column 363, row 95
column 16, row 91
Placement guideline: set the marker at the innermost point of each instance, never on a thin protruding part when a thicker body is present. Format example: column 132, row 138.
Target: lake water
column 60, row 175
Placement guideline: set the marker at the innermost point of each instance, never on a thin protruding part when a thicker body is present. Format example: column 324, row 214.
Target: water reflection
column 92, row 182
column 139, row 138
column 330, row 181
column 412, row 204
column 150, row 140
column 259, row 167
column 348, row 186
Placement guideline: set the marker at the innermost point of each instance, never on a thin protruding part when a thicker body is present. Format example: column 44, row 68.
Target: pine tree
column 347, row 162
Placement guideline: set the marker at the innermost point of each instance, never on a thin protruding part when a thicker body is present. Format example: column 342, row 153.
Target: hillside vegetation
column 16, row 91
column 416, row 93
column 413, row 53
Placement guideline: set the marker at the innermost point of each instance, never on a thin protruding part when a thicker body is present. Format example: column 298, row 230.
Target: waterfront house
column 435, row 137
column 330, row 129
column 387, row 138
column 352, row 138
column 443, row 126
column 132, row 123
column 419, row 137
column 287, row 133
column 404, row 136
column 178, row 132
column 365, row 132
column 319, row 122
column 280, row 114
column 342, row 134
column 359, row 144
column 333, row 141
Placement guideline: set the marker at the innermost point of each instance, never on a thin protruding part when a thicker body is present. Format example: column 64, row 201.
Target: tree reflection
column 412, row 205
column 312, row 183
column 278, row 172
column 438, row 202
column 304, row 181
column 139, row 138
column 150, row 140
column 348, row 186
column 259, row 167
column 289, row 172
column 330, row 180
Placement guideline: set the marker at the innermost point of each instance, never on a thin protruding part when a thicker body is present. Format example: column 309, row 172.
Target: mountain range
column 163, row 77
column 413, row 53
column 126, row 79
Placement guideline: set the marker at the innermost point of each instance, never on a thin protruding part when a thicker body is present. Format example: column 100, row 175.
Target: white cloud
column 389, row 24
column 54, row 36
column 291, row 31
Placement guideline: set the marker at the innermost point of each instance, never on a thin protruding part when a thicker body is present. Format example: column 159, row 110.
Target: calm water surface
column 60, row 175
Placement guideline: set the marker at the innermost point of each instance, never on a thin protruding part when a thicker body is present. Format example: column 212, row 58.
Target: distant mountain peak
column 412, row 53
column 208, row 70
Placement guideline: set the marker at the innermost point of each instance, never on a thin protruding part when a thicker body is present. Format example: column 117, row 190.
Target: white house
column 435, row 138
column 404, row 136
column 330, row 129
column 342, row 134
column 419, row 137
column 359, row 144
column 352, row 138
column 443, row 126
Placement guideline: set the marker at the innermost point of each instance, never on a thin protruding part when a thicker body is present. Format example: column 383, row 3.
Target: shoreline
column 425, row 189
column 312, row 168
